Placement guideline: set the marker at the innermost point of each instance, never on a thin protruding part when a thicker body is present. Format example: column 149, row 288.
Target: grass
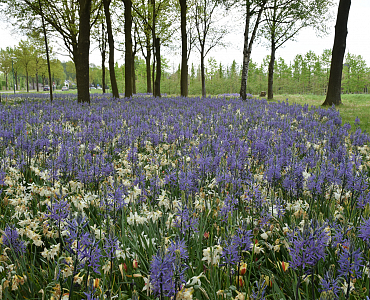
column 353, row 106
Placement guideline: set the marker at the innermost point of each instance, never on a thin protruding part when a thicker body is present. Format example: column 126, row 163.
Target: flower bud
column 243, row 269
column 284, row 266
column 241, row 281
column 96, row 283
column 135, row 264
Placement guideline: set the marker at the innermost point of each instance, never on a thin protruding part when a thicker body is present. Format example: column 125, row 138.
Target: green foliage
column 355, row 74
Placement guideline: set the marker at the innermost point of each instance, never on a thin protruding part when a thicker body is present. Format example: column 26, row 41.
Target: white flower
column 147, row 286
column 306, row 175
column 345, row 287
column 212, row 254
column 264, row 236
column 185, row 294
column 106, row 267
column 163, row 200
column 257, row 249
column 196, row 280
column 135, row 218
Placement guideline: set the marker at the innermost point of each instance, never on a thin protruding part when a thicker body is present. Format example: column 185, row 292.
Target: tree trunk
column 103, row 51
column 248, row 47
column 153, row 71
column 112, row 73
column 157, row 87
column 184, row 51
column 82, row 54
column 333, row 95
column 37, row 81
column 128, row 49
column 202, row 73
column 133, row 75
column 6, row 81
column 147, row 63
column 246, row 55
column 154, row 45
column 270, row 93
column 46, row 49
column 103, row 72
column 28, row 89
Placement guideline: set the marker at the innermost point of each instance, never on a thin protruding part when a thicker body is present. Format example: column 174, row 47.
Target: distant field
column 356, row 105
column 352, row 106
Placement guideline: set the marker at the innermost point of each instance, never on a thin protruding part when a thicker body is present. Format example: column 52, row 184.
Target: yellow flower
column 185, row 294
column 240, row 296
column 78, row 279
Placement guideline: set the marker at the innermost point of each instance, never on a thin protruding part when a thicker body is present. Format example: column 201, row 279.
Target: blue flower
column 167, row 269
column 330, row 285
column 111, row 246
column 308, row 247
column 11, row 239
column 58, row 211
column 364, row 231
column 260, row 293
column 187, row 220
column 235, row 245
column 350, row 262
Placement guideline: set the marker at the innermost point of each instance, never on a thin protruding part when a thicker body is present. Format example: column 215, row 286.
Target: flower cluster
column 182, row 197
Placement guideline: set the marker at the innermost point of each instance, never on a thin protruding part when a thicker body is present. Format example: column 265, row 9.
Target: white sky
column 358, row 41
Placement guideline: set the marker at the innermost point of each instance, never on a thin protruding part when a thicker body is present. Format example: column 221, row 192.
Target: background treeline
column 27, row 61
column 306, row 74
column 309, row 74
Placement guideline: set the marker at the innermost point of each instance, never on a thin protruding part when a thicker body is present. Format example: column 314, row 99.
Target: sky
column 358, row 41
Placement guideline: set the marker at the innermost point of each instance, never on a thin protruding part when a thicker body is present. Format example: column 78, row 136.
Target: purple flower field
column 181, row 198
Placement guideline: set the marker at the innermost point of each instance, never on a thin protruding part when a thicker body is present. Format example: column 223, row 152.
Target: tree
column 24, row 56
column 46, row 50
column 184, row 50
column 252, row 7
column 143, row 21
column 128, row 48
column 37, row 39
column 208, row 35
column 102, row 39
column 73, row 21
column 112, row 73
column 285, row 18
column 354, row 72
column 339, row 48
column 153, row 18
column 6, row 63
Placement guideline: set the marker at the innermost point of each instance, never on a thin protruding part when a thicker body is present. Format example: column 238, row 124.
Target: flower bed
column 182, row 198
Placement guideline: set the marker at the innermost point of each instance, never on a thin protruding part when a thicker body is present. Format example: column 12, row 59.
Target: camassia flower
column 330, row 286
column 11, row 239
column 308, row 247
column 58, row 211
column 167, row 269
column 364, row 231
